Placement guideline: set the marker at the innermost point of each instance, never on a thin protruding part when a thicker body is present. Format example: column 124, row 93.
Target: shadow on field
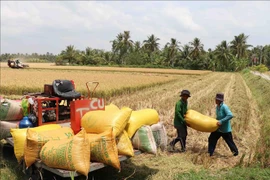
column 128, row 171
column 9, row 167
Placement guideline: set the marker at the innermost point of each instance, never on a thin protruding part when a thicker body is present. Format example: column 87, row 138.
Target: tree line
column 232, row 55
column 34, row 57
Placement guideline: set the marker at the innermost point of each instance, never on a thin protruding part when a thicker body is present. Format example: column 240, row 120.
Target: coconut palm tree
column 151, row 45
column 127, row 42
column 263, row 54
column 211, row 61
column 173, row 49
column 223, row 55
column 117, row 46
column 86, row 56
column 121, row 45
column 239, row 46
column 137, row 46
column 253, row 55
column 196, row 48
column 185, row 52
column 70, row 54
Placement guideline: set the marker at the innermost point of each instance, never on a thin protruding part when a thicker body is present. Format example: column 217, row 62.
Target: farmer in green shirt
column 179, row 121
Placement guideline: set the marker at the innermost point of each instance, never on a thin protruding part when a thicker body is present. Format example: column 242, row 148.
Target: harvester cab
column 60, row 103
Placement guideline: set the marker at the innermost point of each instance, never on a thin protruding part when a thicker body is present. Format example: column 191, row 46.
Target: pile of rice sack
column 105, row 134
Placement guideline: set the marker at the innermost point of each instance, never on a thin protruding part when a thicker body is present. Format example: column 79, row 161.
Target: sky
column 50, row 26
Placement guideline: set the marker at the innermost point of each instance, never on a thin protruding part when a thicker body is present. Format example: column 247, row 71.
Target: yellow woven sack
column 103, row 148
column 111, row 107
column 124, row 144
column 19, row 138
column 140, row 118
column 68, row 154
column 101, row 121
column 35, row 141
column 200, row 122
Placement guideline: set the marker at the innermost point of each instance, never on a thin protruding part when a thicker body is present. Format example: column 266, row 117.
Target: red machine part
column 78, row 107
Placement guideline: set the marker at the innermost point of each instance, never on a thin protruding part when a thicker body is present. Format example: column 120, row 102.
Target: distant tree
column 264, row 55
column 185, row 52
column 223, row 55
column 196, row 48
column 185, row 60
column 137, row 46
column 151, row 45
column 172, row 48
column 211, row 61
column 122, row 45
column 239, row 46
column 70, row 54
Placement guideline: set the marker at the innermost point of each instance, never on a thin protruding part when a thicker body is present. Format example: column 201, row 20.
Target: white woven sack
column 160, row 135
column 144, row 140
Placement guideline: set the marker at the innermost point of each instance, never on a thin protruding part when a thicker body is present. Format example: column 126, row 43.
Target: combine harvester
column 61, row 104
column 17, row 64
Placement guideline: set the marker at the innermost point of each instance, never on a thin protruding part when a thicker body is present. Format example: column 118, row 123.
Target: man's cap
column 185, row 92
column 220, row 96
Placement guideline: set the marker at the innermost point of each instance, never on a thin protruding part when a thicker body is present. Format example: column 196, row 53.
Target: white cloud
column 16, row 19
column 182, row 16
column 225, row 22
column 41, row 26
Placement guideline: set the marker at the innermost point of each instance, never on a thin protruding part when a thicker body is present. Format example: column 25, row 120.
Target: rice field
column 112, row 80
column 17, row 81
column 113, row 69
column 160, row 92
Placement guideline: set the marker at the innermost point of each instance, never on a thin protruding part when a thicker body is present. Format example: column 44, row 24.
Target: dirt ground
column 263, row 75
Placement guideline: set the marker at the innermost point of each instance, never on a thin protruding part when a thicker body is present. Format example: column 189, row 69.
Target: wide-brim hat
column 185, row 92
column 220, row 96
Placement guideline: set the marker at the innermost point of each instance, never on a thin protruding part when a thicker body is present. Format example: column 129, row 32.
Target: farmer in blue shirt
column 179, row 122
column 224, row 116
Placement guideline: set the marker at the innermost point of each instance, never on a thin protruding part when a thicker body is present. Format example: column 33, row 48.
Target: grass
column 230, row 174
column 160, row 167
column 260, row 91
column 9, row 167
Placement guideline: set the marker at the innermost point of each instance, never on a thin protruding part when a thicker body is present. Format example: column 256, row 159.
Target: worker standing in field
column 224, row 116
column 179, row 122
